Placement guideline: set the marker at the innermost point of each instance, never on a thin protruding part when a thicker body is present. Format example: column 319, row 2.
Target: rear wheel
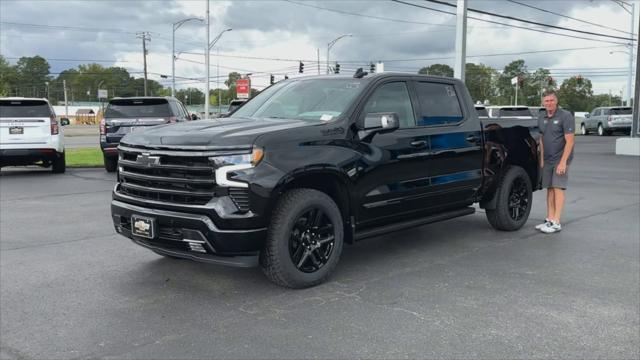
column 59, row 164
column 304, row 241
column 110, row 163
column 601, row 131
column 513, row 201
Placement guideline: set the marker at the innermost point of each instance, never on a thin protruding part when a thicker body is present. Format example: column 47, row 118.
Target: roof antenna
column 360, row 74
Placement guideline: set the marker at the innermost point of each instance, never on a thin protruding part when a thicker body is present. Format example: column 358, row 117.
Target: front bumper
column 191, row 236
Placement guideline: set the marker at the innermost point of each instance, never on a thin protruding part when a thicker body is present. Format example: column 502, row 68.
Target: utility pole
column 66, row 104
column 633, row 8
column 461, row 40
column 635, row 122
column 145, row 36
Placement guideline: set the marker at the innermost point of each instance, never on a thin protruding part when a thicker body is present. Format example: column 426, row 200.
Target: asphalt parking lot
column 71, row 288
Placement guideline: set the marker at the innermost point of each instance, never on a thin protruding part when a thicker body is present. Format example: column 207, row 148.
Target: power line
column 532, row 22
column 508, row 25
column 366, row 16
column 567, row 16
column 71, row 28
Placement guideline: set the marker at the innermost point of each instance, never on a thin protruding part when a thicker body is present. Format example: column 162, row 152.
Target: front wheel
column 583, row 130
column 513, row 201
column 304, row 241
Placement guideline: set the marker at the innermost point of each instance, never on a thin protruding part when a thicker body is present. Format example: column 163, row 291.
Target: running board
column 413, row 223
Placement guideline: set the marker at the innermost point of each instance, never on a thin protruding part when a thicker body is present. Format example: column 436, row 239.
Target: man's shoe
column 551, row 228
column 545, row 223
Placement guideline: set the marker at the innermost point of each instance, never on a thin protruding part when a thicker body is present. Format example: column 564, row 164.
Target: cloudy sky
column 270, row 36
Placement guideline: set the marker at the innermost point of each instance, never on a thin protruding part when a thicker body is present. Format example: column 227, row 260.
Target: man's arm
column 569, row 138
column 541, row 159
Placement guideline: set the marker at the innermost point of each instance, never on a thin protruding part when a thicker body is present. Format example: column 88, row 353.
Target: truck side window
column 439, row 104
column 392, row 97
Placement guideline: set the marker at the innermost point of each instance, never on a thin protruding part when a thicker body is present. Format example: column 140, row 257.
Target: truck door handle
column 419, row 143
column 472, row 138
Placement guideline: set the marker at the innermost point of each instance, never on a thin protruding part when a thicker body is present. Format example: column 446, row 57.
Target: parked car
column 481, row 110
column 536, row 110
column 125, row 115
column 30, row 134
column 315, row 162
column 519, row 112
column 606, row 120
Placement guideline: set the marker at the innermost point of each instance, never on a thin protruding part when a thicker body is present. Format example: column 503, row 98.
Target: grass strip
column 84, row 157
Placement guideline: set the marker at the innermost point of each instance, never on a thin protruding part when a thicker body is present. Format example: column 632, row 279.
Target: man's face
column 550, row 103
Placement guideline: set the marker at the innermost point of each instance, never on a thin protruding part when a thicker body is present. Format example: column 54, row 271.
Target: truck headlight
column 229, row 163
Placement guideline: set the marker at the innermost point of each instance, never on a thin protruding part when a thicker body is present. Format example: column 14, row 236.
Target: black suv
column 312, row 163
column 125, row 115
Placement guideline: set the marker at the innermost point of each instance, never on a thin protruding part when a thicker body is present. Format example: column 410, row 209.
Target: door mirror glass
column 64, row 121
column 381, row 122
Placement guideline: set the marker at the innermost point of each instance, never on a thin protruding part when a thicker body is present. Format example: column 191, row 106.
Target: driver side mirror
column 64, row 121
column 194, row 117
column 587, row 115
column 381, row 122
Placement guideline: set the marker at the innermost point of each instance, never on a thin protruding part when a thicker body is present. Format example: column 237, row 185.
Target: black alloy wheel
column 312, row 241
column 518, row 199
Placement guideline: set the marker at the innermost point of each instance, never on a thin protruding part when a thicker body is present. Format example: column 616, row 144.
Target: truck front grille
column 172, row 177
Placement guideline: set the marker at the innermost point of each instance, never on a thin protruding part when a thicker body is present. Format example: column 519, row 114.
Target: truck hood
column 226, row 132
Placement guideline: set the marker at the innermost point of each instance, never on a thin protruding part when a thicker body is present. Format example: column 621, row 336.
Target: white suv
column 30, row 134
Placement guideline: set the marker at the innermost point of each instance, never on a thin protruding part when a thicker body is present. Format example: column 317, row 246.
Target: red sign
column 243, row 87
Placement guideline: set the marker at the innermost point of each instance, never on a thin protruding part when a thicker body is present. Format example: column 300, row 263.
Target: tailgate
column 25, row 131
column 122, row 127
column 621, row 119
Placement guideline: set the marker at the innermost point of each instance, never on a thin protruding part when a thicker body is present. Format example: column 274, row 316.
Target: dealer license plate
column 16, row 130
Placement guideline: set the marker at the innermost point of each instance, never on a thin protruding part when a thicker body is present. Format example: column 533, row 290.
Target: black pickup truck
column 312, row 163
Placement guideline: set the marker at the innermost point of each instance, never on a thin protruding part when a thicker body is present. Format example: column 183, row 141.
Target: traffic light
column 337, row 68
column 272, row 80
column 301, row 67
column 372, row 68
column 286, row 77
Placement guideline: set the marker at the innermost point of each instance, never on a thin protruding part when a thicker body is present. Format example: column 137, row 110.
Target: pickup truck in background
column 312, row 163
column 519, row 112
column 606, row 120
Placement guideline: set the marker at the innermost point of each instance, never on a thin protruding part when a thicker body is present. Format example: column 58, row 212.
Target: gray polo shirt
column 553, row 130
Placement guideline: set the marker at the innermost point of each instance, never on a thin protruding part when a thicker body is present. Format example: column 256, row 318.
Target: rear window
column 621, row 111
column 24, row 109
column 138, row 108
column 514, row 112
column 482, row 112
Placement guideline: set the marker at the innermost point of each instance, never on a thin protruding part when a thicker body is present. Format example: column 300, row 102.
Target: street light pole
column 330, row 45
column 633, row 8
column 207, row 56
column 461, row 41
column 176, row 26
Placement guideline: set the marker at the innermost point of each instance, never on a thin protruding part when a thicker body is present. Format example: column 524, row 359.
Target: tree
column 233, row 77
column 191, row 96
column 32, row 75
column 478, row 79
column 535, row 85
column 603, row 100
column 575, row 94
column 437, row 70
column 506, row 91
column 8, row 77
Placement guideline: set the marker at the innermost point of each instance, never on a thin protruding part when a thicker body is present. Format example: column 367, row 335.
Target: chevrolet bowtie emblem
column 148, row 160
column 141, row 225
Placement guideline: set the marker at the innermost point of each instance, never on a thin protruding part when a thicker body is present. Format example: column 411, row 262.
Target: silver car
column 605, row 120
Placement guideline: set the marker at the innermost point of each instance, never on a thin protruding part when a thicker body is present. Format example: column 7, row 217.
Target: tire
column 110, row 163
column 59, row 164
column 300, row 252
column 583, row 130
column 513, row 201
column 601, row 131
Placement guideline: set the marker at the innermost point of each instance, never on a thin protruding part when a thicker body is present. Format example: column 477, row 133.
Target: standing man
column 556, row 152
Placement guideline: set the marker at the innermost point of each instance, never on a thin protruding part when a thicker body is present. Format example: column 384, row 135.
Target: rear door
column 123, row 116
column 455, row 144
column 25, row 122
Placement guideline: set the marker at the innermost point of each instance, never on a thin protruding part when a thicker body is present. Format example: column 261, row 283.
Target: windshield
column 24, row 108
column 621, row 111
column 311, row 100
column 126, row 108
